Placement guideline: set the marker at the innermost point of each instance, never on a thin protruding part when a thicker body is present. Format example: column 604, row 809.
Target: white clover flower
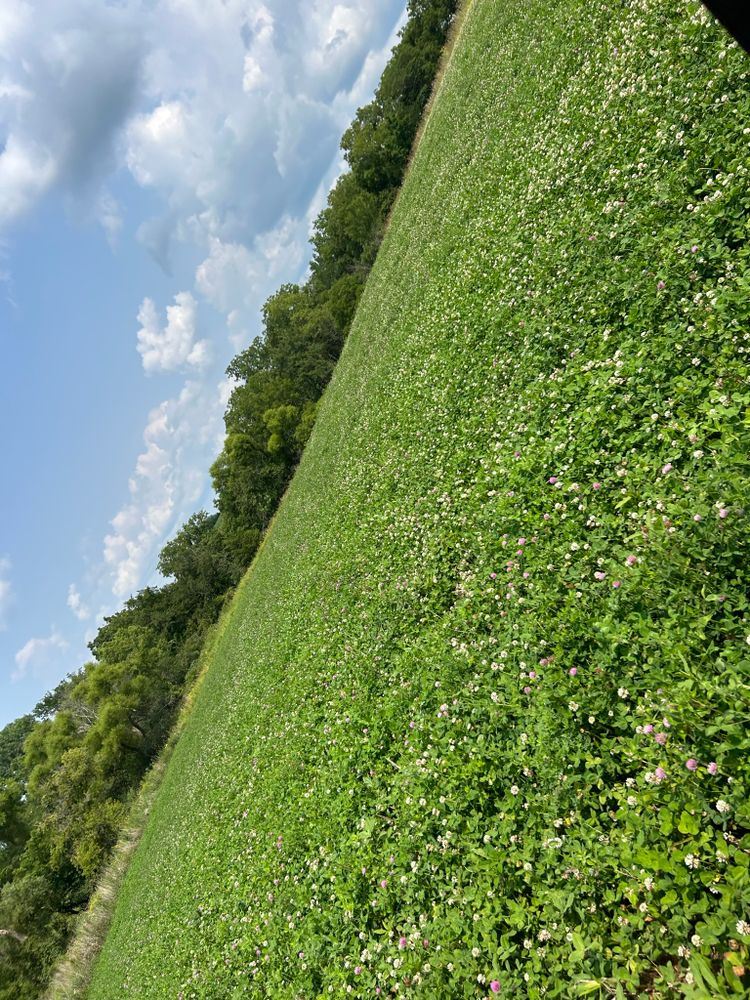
column 691, row 861
column 723, row 806
column 623, row 692
column 743, row 927
column 514, row 789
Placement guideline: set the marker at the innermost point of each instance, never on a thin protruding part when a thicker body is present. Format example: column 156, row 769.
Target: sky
column 161, row 164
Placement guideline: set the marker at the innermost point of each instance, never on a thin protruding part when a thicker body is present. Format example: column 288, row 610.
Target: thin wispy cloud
column 38, row 654
column 76, row 605
column 181, row 438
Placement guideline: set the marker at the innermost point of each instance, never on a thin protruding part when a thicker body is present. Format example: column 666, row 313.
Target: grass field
column 479, row 722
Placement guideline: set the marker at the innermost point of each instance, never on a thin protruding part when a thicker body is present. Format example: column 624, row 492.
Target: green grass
column 422, row 761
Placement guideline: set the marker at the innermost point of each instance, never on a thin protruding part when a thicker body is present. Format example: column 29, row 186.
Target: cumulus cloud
column 65, row 92
column 36, row 654
column 227, row 274
column 236, row 279
column 242, row 269
column 6, row 592
column 158, row 143
column 76, row 605
column 173, row 346
column 229, row 108
column 26, row 171
column 247, row 102
column 182, row 437
column 333, row 49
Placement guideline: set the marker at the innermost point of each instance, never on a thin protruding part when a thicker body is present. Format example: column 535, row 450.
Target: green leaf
column 586, row 986
column 579, row 948
column 688, row 823
column 702, row 972
column 666, row 821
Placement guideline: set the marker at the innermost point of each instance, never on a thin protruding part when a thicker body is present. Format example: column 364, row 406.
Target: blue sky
column 161, row 162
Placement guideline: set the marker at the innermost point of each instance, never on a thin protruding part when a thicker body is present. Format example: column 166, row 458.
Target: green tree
column 12, row 738
column 202, row 564
column 14, row 829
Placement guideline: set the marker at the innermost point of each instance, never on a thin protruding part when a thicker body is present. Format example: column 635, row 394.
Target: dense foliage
column 478, row 724
column 69, row 770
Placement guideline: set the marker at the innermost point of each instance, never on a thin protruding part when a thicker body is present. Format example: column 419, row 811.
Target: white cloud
column 228, row 273
column 334, row 41
column 109, row 216
column 253, row 76
column 236, row 280
column 8, row 89
column 173, row 346
column 182, row 437
column 26, row 172
column 76, row 605
column 195, row 97
column 245, row 106
column 37, row 653
column 158, row 143
column 258, row 35
column 64, row 94
column 239, row 273
column 6, row 592
column 15, row 15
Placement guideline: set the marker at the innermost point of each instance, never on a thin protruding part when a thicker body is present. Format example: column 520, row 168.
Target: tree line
column 70, row 768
